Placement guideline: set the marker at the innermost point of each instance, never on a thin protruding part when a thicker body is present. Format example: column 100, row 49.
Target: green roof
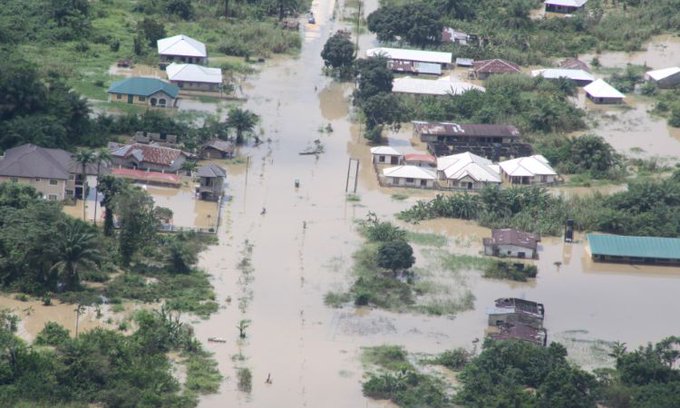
column 638, row 247
column 143, row 87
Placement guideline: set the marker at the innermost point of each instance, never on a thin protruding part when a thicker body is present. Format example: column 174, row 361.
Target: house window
column 410, row 180
column 161, row 101
column 69, row 193
column 37, row 179
column 52, row 197
column 119, row 96
column 54, row 182
column 381, row 159
column 142, row 98
column 14, row 179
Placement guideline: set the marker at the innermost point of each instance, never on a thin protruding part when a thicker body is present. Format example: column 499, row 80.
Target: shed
column 664, row 78
column 409, row 176
column 386, row 155
column 602, row 93
column 634, row 249
column 217, row 149
column 564, row 6
column 512, row 243
column 577, row 76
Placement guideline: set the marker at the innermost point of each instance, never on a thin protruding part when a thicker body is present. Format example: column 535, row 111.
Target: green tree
column 383, row 109
column 373, row 77
column 110, row 187
column 416, row 23
column 138, row 225
column 103, row 156
column 395, row 256
column 338, row 53
column 84, row 157
column 153, row 30
column 181, row 8
column 78, row 248
column 243, row 121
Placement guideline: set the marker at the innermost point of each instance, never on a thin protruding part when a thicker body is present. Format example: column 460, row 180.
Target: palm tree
column 243, row 121
column 78, row 248
column 84, row 157
column 109, row 186
column 103, row 156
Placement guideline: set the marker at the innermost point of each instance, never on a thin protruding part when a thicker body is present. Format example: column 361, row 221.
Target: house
column 443, row 59
column 211, row 182
column 516, row 311
column 409, row 176
column 160, row 138
column 485, row 68
column 217, row 149
column 511, row 243
column 54, row 173
column 183, row 49
column 420, row 159
column 149, row 177
column 664, row 78
column 440, row 87
column 465, row 62
column 577, row 76
column 521, row 332
column 144, row 91
column 416, row 68
column 148, row 157
column 467, row 171
column 573, row 63
column 601, row 92
column 386, row 155
column 192, row 77
column 449, row 35
column 633, row 249
column 564, row 6
column 528, row 170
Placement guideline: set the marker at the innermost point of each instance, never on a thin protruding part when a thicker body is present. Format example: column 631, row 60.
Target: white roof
column 568, row 3
column 555, row 73
column 193, row 73
column 658, row 74
column 535, row 165
column 441, row 86
column 457, row 166
column 181, row 45
column 601, row 89
column 414, row 172
column 385, row 150
column 411, row 55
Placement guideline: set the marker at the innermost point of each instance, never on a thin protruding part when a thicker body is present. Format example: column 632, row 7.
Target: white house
column 601, row 92
column 182, row 48
column 578, row 76
column 386, row 155
column 665, row 77
column 440, row 87
column 467, row 171
column 399, row 54
column 409, row 176
column 564, row 6
column 528, row 170
column 195, row 77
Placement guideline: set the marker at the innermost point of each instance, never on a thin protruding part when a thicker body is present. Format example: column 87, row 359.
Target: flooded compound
column 660, row 52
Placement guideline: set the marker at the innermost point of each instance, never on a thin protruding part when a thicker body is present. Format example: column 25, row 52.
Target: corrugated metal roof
column 535, row 165
column 385, row 150
column 658, row 74
column 441, row 86
column 411, row 55
column 601, row 89
column 566, row 3
column 149, row 153
column 555, row 73
column 413, row 172
column 193, row 73
column 633, row 246
column 495, row 66
column 211, row 170
column 143, row 87
column 574, row 63
column 510, row 236
column 181, row 45
column 428, row 68
column 456, row 129
column 457, row 166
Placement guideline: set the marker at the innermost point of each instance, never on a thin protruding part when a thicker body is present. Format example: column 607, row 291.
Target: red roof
column 151, row 177
column 149, row 153
column 420, row 157
column 495, row 66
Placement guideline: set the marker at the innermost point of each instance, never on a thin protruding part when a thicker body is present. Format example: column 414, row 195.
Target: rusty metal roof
column 509, row 236
column 149, row 153
column 474, row 130
column 495, row 66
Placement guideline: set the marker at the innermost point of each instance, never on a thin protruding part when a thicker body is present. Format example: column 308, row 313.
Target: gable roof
column 193, row 73
column 510, row 236
column 31, row 161
column 221, row 145
column 659, row 74
column 165, row 156
column 181, row 45
column 574, row 63
column 455, row 129
column 566, row 3
column 634, row 246
column 420, row 157
column 142, row 86
column 449, row 34
column 385, row 151
column 441, row 86
column 601, row 89
column 211, row 170
column 411, row 55
column 555, row 73
column 531, row 166
column 414, row 172
column 495, row 66
column 458, row 166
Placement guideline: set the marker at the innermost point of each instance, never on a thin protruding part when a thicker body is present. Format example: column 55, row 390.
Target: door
column 131, row 98
column 395, row 160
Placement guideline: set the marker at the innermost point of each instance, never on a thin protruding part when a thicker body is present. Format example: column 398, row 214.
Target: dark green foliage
column 181, row 8
column 588, row 154
column 243, row 122
column 416, row 23
column 395, row 256
column 138, row 225
column 53, row 334
column 152, row 30
column 380, row 231
column 513, row 271
column 373, row 78
column 455, row 359
column 338, row 53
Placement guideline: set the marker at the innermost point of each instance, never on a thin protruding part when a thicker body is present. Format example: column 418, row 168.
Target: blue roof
column 638, row 247
column 141, row 86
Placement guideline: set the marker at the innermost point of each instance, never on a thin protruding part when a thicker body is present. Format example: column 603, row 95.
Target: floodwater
column 660, row 52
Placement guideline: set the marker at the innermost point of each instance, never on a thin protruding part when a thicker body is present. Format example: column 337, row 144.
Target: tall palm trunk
column 96, row 194
column 84, row 192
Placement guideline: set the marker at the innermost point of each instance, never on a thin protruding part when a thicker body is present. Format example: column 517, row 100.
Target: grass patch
column 202, row 373
column 389, row 357
column 336, row 299
column 455, row 359
column 399, row 196
column 353, row 198
column 454, row 263
column 245, row 379
column 427, row 239
column 515, row 271
column 449, row 305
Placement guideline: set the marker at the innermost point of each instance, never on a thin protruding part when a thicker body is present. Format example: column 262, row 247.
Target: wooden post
column 356, row 177
column 349, row 166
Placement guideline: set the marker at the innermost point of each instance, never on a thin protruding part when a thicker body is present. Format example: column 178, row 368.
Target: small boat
column 217, row 340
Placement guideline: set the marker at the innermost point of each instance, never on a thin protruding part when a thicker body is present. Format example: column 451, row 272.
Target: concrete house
column 183, row 49
column 664, row 78
column 52, row 172
column 148, row 157
column 577, row 76
column 485, row 68
column 443, row 59
column 508, row 242
column 408, row 176
column 441, row 87
column 634, row 250
column 601, row 92
column 217, row 149
column 564, row 6
column 386, row 155
column 516, row 311
column 528, row 170
column 211, row 179
column 144, row 91
column 192, row 77
column 467, row 171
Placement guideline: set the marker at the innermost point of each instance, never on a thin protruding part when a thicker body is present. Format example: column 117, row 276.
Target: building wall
column 211, row 188
column 553, row 8
column 210, row 153
column 159, row 97
column 605, row 101
column 183, row 59
column 463, row 184
column 142, row 100
column 496, row 319
column 405, row 182
column 197, row 86
column 668, row 82
column 387, row 159
column 514, row 251
column 43, row 186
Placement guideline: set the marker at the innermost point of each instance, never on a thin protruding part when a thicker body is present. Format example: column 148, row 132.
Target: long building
column 633, row 249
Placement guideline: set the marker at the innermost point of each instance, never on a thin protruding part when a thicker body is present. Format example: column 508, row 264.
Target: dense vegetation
column 646, row 208
column 103, row 367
